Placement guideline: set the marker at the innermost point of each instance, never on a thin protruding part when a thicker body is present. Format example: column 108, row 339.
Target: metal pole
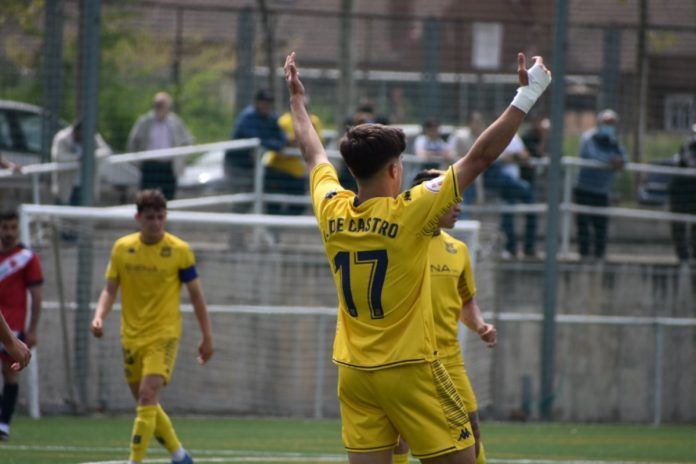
column 346, row 85
column 567, row 215
column 431, row 67
column 548, row 338
column 258, row 179
column 659, row 348
column 641, row 85
column 178, row 53
column 88, row 111
column 33, row 368
column 52, row 75
column 244, row 74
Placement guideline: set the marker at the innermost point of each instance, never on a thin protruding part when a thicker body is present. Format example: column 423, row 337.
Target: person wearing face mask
column 594, row 184
column 157, row 129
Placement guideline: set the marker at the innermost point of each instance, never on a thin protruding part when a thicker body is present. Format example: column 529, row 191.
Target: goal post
column 270, row 294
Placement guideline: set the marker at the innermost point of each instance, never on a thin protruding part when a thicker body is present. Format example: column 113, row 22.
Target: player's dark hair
column 367, row 148
column 150, row 199
column 9, row 216
column 426, row 174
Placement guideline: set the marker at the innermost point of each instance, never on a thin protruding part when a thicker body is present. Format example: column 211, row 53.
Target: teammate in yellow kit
column 149, row 266
column 377, row 245
column 453, row 299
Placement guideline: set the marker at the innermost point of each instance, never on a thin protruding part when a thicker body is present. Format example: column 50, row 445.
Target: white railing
column 258, row 198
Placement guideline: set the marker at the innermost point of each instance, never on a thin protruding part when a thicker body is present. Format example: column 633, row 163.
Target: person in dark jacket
column 257, row 120
column 682, row 199
column 593, row 185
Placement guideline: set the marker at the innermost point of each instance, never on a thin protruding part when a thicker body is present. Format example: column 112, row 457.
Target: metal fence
column 396, row 61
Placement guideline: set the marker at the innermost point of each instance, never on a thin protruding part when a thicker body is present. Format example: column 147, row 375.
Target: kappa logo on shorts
column 464, row 434
column 137, row 439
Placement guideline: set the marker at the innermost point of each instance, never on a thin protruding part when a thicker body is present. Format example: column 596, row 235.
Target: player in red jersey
column 20, row 274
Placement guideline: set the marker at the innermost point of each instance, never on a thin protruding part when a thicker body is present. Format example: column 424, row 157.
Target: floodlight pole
column 548, row 337
column 88, row 115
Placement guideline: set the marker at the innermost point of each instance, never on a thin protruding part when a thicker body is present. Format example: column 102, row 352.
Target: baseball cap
column 263, row 95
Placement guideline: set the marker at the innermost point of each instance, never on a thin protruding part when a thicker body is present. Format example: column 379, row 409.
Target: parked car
column 20, row 142
column 205, row 174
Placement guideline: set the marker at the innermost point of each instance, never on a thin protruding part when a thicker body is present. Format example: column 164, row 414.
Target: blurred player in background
column 20, row 274
column 150, row 266
column 377, row 244
column 453, row 291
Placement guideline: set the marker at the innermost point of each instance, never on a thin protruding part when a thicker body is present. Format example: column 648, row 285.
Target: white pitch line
column 232, row 456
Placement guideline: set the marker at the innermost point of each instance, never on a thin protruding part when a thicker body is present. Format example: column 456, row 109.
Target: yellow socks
column 400, row 458
column 143, row 428
column 164, row 431
column 481, row 458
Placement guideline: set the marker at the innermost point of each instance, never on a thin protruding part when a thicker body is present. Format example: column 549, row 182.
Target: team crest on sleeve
column 434, row 185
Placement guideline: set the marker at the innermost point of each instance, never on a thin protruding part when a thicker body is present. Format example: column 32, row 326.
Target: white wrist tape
column 527, row 95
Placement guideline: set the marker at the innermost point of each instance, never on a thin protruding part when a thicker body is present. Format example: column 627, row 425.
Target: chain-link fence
column 441, row 70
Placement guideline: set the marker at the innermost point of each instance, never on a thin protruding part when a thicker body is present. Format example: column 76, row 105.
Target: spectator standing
column 682, row 199
column 431, row 147
column 593, row 185
column 66, row 186
column 536, row 142
column 285, row 173
column 504, row 177
column 257, row 120
column 160, row 128
column 20, row 278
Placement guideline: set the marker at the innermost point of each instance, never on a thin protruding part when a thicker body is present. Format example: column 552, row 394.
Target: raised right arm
column 498, row 135
column 307, row 138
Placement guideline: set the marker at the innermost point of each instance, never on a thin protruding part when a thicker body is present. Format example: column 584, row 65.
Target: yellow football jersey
column 150, row 277
column 293, row 165
column 452, row 283
column 378, row 252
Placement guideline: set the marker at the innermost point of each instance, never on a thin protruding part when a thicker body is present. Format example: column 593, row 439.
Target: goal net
column 271, row 299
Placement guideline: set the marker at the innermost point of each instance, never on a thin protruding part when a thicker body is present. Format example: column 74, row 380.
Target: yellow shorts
column 454, row 364
column 416, row 400
column 156, row 358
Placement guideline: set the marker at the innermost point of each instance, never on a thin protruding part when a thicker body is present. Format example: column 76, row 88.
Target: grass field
column 217, row 440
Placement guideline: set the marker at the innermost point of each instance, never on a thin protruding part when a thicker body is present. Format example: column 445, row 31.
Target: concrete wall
column 279, row 365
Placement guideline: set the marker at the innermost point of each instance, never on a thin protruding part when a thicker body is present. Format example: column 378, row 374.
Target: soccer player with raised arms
column 453, row 291
column 149, row 266
column 390, row 379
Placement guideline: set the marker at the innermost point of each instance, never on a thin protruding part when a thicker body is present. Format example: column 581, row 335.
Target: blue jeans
column 513, row 191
